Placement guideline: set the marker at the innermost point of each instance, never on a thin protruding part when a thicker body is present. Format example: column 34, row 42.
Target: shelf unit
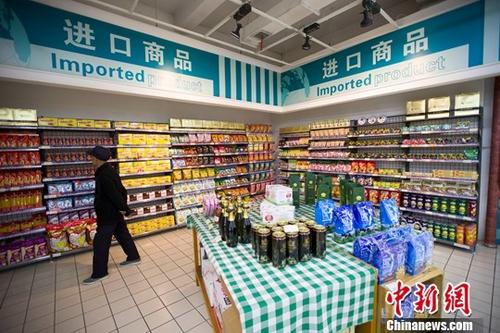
column 399, row 127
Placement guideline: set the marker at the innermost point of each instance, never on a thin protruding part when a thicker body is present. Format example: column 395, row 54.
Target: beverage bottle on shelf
column 239, row 218
column 232, row 232
column 247, row 225
column 223, row 219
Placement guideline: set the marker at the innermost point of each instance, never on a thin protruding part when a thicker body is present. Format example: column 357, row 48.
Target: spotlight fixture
column 370, row 8
column 236, row 32
column 243, row 11
column 307, row 45
column 311, row 28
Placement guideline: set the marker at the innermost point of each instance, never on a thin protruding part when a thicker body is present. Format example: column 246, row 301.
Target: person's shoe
column 92, row 280
column 130, row 262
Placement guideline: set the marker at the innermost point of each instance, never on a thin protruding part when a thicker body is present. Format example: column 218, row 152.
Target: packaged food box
column 415, row 107
column 162, row 127
column 46, row 121
column 272, row 213
column 67, row 122
column 437, row 104
column 102, row 124
column 122, row 124
column 6, row 114
column 24, row 114
column 174, row 122
column 279, row 194
column 139, row 139
column 87, row 123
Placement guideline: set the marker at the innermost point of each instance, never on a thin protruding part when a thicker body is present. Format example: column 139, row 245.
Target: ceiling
column 202, row 16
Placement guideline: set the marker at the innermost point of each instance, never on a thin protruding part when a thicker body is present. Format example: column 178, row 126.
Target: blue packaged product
column 389, row 213
column 363, row 217
column 384, row 261
column 407, row 307
column 323, row 212
column 419, row 253
column 364, row 247
column 343, row 220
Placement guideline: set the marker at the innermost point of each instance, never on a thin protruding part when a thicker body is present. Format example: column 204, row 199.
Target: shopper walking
column 111, row 206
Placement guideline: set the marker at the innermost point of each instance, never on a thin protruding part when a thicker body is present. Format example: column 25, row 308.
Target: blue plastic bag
column 363, row 217
column 419, row 253
column 343, row 220
column 323, row 212
column 364, row 247
column 389, row 213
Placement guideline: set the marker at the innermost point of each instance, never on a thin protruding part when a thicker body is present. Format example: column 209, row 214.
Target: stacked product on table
column 437, row 141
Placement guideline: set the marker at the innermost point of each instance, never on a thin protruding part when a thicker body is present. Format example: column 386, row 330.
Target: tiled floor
column 160, row 295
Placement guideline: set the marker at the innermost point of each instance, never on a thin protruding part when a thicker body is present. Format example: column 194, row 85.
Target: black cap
column 101, row 153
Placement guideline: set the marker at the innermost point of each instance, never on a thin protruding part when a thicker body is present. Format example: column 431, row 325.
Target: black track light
column 243, row 11
column 236, row 32
column 307, row 45
column 367, row 19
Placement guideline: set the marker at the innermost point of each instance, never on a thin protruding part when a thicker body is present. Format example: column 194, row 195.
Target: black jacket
column 110, row 195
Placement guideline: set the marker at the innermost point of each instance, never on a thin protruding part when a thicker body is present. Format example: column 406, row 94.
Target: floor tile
column 202, row 328
column 202, row 309
column 68, row 301
column 70, row 325
column 171, row 297
column 118, row 294
column 152, row 272
column 158, row 318
column 151, row 306
column 102, row 326
column 189, row 320
column 114, row 285
column 170, row 327
column 180, row 307
column 68, row 313
column 121, row 305
column 138, row 326
column 196, row 299
column 181, row 280
column 13, row 320
column 138, row 286
column 96, row 315
column 127, row 316
column 158, row 279
column 39, row 311
column 164, row 288
column 38, row 324
column 93, row 303
column 174, row 273
column 144, row 296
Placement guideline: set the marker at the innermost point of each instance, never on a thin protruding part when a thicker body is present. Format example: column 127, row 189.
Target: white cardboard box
column 272, row 213
column 279, row 194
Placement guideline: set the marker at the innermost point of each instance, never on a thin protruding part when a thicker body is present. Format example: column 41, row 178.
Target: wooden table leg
column 195, row 253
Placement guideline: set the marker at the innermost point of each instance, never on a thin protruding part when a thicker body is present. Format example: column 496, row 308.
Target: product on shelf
column 330, row 123
column 193, row 161
column 230, row 159
column 182, row 215
column 65, row 139
column 70, row 235
column 69, row 171
column 224, row 138
column 329, row 154
column 19, row 250
column 147, row 181
column 192, row 138
column 189, row 199
column 71, row 122
column 440, row 141
column 18, row 115
column 13, row 201
column 195, row 173
column 137, row 167
column 259, row 128
column 34, row 222
column 330, row 133
column 260, row 156
column 201, row 185
column 234, row 170
column 450, row 188
column 20, row 178
column 195, row 150
column 135, row 153
column 150, row 195
column 229, row 149
column 150, row 209
column 258, row 177
column 332, row 167
column 158, row 223
column 261, row 166
column 382, row 142
column 377, row 131
column 458, row 125
column 19, row 158
column 18, row 140
column 232, row 181
column 132, row 139
column 139, row 125
column 373, row 120
column 295, row 165
column 291, row 142
column 207, row 124
column 294, row 153
column 259, row 187
column 67, row 156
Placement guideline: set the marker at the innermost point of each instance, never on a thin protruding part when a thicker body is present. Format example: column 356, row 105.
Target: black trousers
column 102, row 242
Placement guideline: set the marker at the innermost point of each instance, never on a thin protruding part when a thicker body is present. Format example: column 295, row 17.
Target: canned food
column 435, row 204
column 263, row 245
column 275, row 229
column 301, row 225
column 292, row 247
column 444, row 232
column 420, row 202
column 406, row 200
column 460, row 233
column 444, row 205
column 451, row 233
column 427, row 203
column 304, row 244
column 437, row 231
column 282, row 223
column 279, row 249
column 318, row 236
column 253, row 236
column 452, row 208
column 472, row 208
column 413, row 201
column 462, row 208
column 293, row 222
column 310, row 224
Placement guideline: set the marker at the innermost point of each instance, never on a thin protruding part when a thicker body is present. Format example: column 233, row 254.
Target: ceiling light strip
column 218, row 25
column 388, row 18
column 187, row 31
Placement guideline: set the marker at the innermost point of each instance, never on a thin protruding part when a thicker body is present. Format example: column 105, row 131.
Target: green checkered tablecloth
column 321, row 295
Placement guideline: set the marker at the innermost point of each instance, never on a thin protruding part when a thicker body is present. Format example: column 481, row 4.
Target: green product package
column 310, row 190
column 356, row 193
column 344, row 185
column 325, row 179
column 294, row 182
column 324, row 191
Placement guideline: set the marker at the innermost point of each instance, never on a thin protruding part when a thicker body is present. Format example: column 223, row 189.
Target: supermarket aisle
column 160, row 295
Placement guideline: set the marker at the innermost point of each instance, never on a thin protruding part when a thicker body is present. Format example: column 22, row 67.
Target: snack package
column 58, row 241
column 407, row 306
column 419, row 253
column 343, row 221
column 14, row 254
column 40, row 246
column 389, row 213
column 4, row 260
column 28, row 250
column 91, row 228
column 363, row 217
column 76, row 234
column 323, row 212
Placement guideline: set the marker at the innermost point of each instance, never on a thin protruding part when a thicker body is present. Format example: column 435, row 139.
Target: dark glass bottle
column 239, row 218
column 232, row 231
column 223, row 219
column 247, row 226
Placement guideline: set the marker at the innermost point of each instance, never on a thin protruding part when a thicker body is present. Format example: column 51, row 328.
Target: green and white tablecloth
column 321, row 295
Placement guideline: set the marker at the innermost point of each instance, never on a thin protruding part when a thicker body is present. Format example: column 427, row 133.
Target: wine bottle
column 247, row 225
column 232, row 231
column 223, row 219
column 239, row 218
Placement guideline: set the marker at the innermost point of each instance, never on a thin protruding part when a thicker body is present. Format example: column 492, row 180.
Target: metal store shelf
column 45, row 147
column 181, row 130
column 75, row 209
column 265, row 161
column 448, row 242
column 49, row 180
column 140, row 130
column 443, row 215
column 24, row 233
column 64, row 195
column 19, row 149
column 21, row 212
column 192, row 155
column 144, row 159
column 195, row 166
column 143, row 187
column 233, row 175
column 66, row 163
column 25, row 263
column 189, row 206
column 149, row 215
column 131, row 203
column 292, row 147
column 149, row 173
column 83, row 129
column 192, row 180
column 226, row 187
column 142, row 146
column 180, row 194
column 21, row 188
column 20, row 167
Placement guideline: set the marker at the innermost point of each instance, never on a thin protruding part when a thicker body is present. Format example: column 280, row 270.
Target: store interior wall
column 53, row 101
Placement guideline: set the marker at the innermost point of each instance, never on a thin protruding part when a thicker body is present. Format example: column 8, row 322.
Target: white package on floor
column 272, row 213
column 279, row 194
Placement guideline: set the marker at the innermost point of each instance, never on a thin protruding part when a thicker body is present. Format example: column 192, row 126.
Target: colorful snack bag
column 14, row 254
column 58, row 240
column 76, row 234
column 28, row 250
column 91, row 228
column 4, row 261
column 40, row 246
